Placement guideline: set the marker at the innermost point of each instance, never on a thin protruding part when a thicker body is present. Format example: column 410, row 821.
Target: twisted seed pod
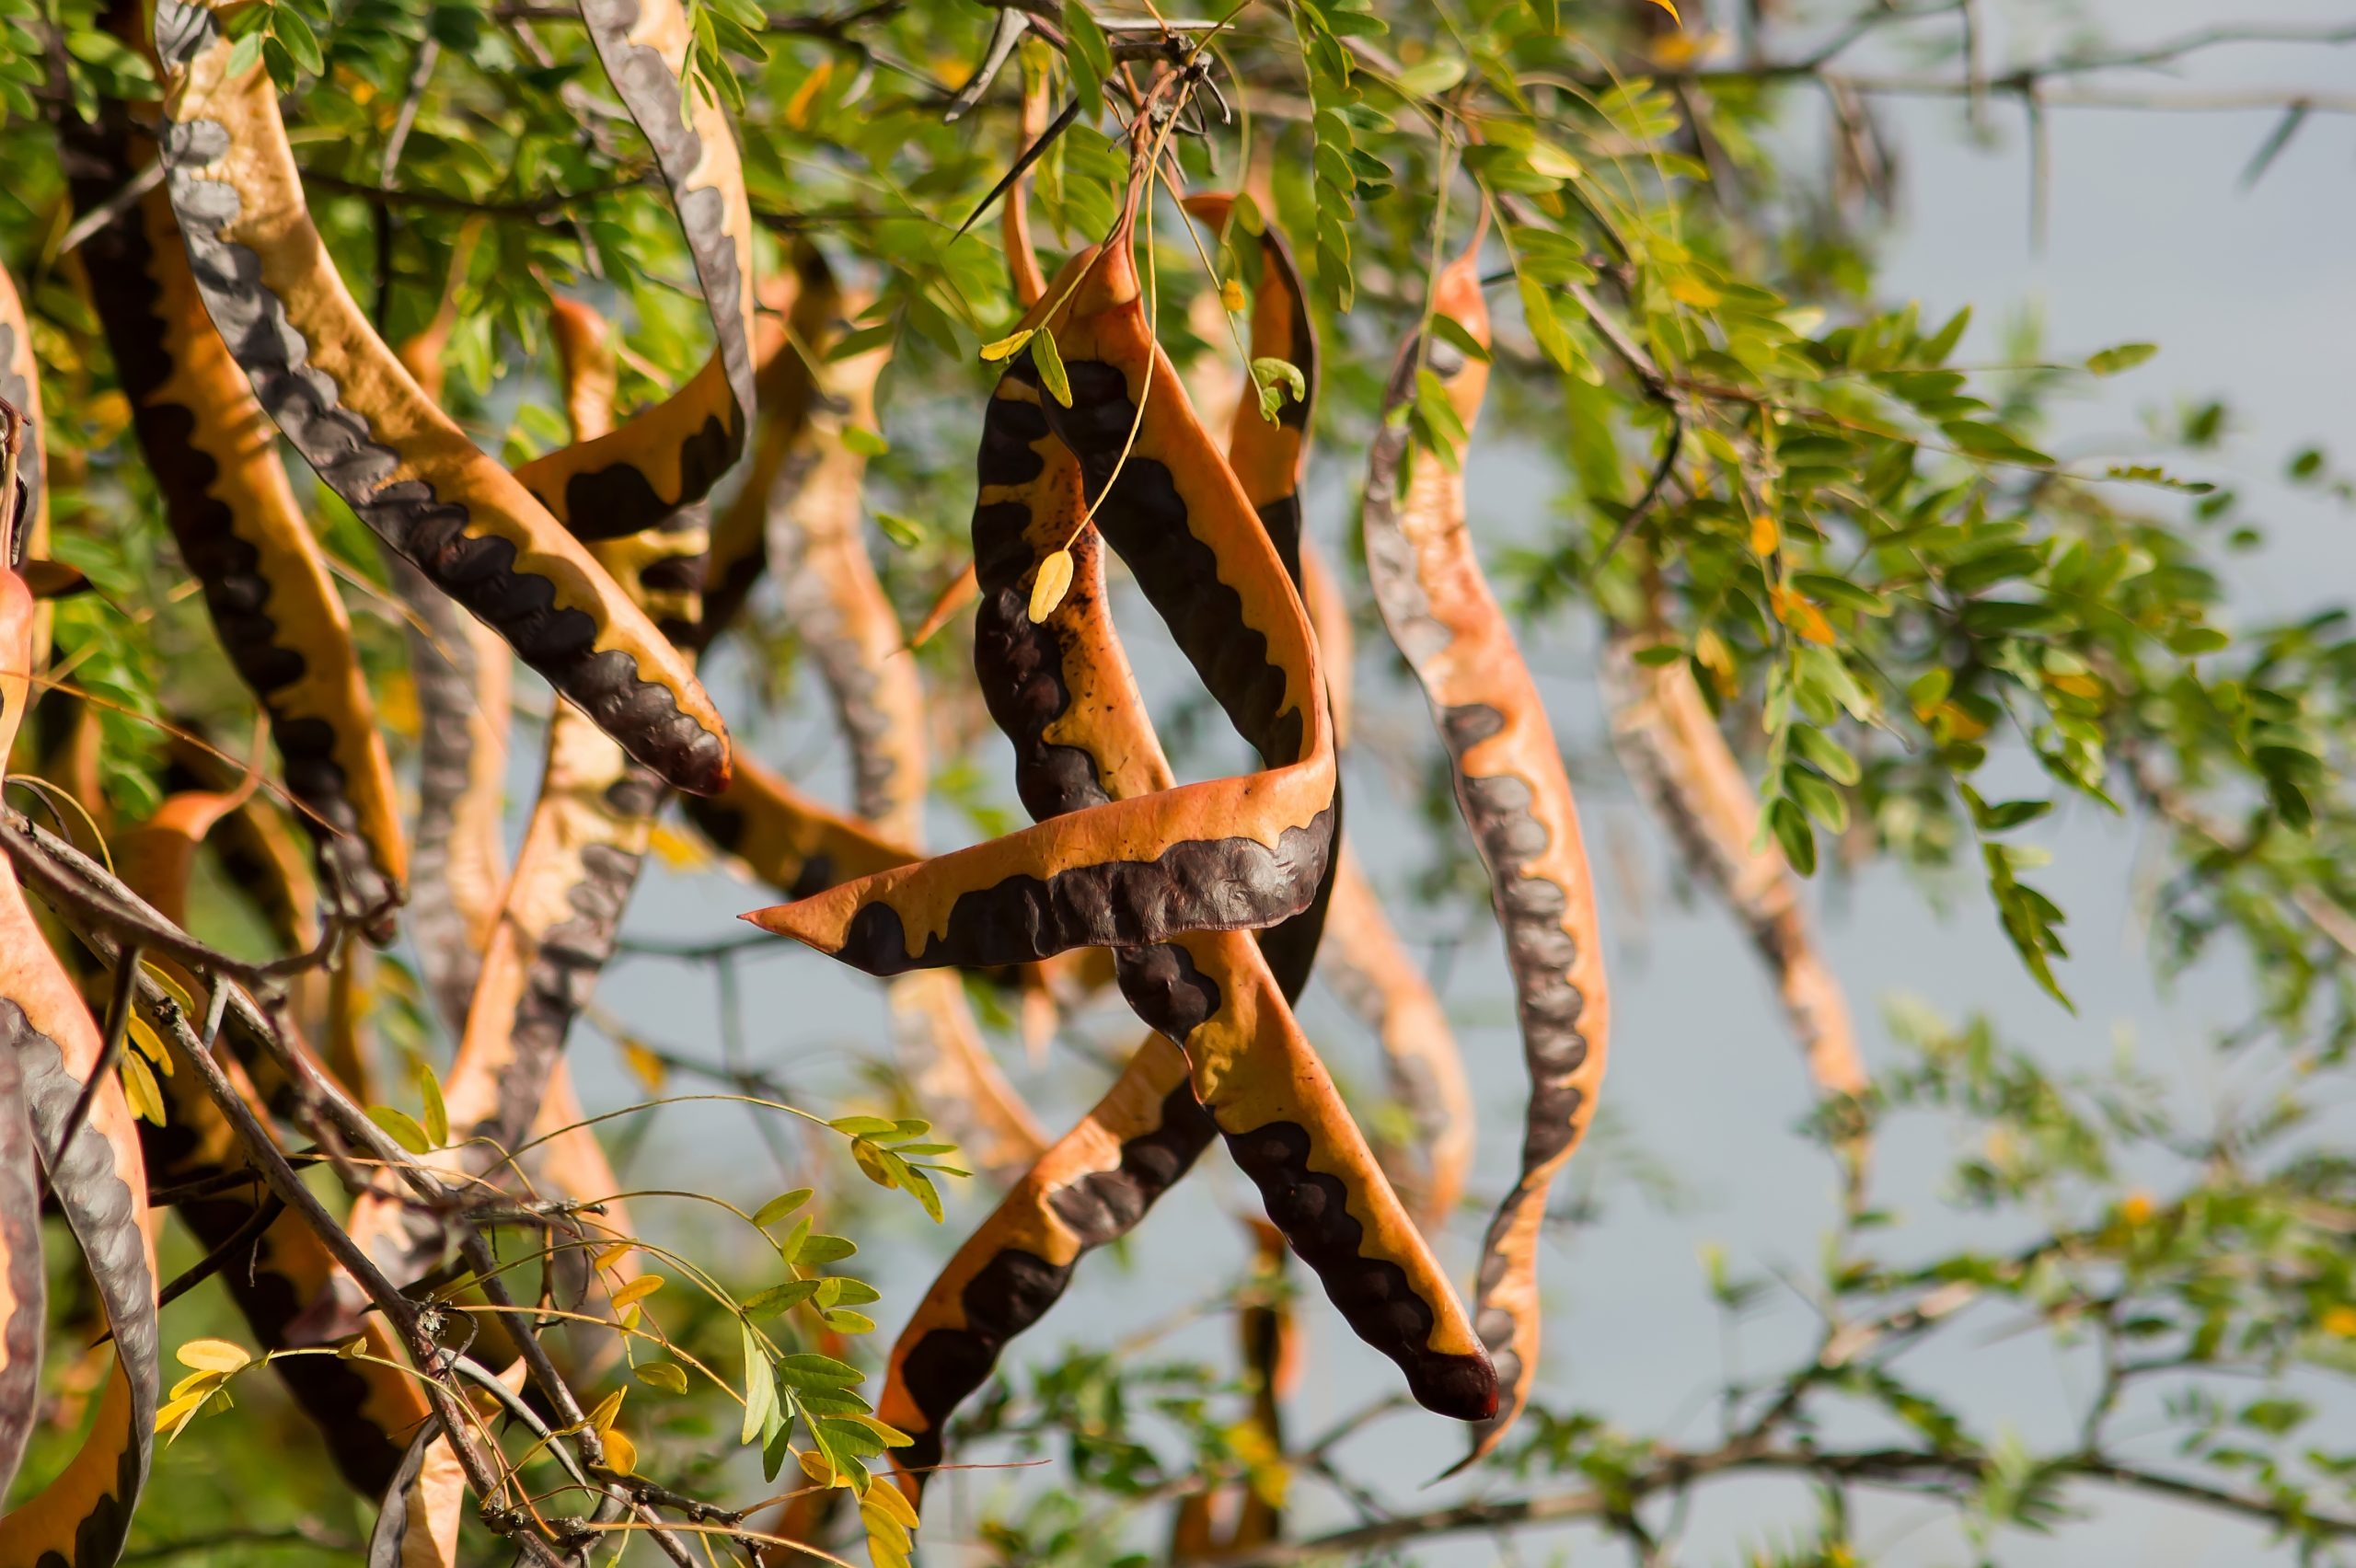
column 817, row 545
column 243, row 534
column 1030, row 284
column 361, row 419
column 1679, row 758
column 1226, row 854
column 1062, row 690
column 630, row 478
column 284, row 1281
column 463, row 675
column 1093, row 1186
column 1516, row 798
column 1364, row 963
column 100, row 1180
column 797, row 308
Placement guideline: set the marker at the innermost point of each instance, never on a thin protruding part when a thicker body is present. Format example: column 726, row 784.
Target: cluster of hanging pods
column 606, row 568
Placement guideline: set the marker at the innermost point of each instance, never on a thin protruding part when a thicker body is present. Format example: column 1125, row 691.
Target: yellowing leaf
column 676, row 850
column 646, row 1065
column 636, row 1290
column 621, row 1454
column 1803, row 618
column 2339, row 1323
column 1553, row 162
column 213, row 1355
column 139, row 1087
column 1050, row 361
column 893, row 1502
column 814, row 1465
column 176, row 1415
column 609, row 1411
column 1052, row 582
column 1764, row 534
column 667, row 1375
column 1672, row 9
column 1230, row 294
column 613, row 1255
column 1006, row 347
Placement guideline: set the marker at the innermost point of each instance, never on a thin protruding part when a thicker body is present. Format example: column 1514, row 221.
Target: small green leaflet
column 1270, row 377
column 2124, row 357
column 1051, row 365
column 402, row 1128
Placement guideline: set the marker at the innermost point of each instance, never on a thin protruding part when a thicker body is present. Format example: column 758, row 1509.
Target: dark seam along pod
column 100, row 1180
column 360, row 419
column 1679, row 758
column 1516, row 799
column 240, row 531
column 365, row 1410
column 1225, row 855
column 631, row 477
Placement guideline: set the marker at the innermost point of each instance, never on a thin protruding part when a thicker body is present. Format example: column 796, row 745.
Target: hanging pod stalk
column 1510, row 787
column 363, row 423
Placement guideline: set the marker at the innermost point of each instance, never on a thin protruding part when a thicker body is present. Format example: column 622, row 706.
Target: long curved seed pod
column 100, row 1180
column 24, row 1298
column 463, row 674
column 359, row 417
column 631, row 479
column 242, row 533
column 20, row 389
column 1679, row 758
column 1364, row 961
column 818, row 550
column 793, row 841
column 1224, row 855
column 797, row 307
column 366, row 1409
column 1516, row 798
column 583, row 849
column 1022, row 258
column 1062, row 690
column 1373, row 975
column 1093, row 1186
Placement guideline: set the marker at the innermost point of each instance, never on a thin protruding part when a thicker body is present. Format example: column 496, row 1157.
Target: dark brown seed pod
column 1515, row 797
column 361, row 421
column 1061, row 688
column 242, row 533
column 628, row 480
column 1226, row 854
column 100, row 1180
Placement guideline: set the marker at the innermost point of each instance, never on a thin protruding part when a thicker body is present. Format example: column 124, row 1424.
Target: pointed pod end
column 1462, row 1387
